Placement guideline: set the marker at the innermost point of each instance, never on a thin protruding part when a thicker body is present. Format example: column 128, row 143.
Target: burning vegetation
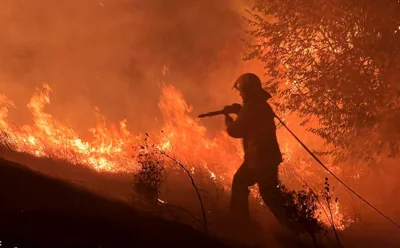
column 115, row 149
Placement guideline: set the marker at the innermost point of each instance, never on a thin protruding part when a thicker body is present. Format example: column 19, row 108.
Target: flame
column 111, row 148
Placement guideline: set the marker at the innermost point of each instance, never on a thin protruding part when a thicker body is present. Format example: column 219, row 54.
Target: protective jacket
column 255, row 125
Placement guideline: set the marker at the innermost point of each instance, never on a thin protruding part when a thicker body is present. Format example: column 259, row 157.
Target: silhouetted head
column 250, row 88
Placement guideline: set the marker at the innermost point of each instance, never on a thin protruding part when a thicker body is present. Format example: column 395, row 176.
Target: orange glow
column 112, row 148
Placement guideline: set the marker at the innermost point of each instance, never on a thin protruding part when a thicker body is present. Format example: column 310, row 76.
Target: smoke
column 111, row 54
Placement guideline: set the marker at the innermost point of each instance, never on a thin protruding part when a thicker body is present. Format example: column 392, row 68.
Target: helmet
column 250, row 84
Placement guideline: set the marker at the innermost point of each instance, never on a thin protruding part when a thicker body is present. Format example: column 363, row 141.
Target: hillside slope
column 37, row 211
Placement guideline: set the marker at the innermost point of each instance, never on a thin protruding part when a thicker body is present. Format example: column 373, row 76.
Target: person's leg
column 271, row 194
column 276, row 202
column 242, row 179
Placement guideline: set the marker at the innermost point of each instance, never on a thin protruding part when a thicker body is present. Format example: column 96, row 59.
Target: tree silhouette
column 337, row 62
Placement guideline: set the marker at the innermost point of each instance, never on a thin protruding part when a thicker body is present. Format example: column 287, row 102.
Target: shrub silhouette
column 151, row 174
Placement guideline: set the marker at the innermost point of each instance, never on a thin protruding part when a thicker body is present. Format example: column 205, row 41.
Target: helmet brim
column 263, row 93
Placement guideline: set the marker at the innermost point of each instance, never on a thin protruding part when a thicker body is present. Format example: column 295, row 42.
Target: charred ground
column 38, row 211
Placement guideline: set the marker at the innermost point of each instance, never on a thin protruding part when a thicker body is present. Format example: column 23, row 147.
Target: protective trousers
column 267, row 180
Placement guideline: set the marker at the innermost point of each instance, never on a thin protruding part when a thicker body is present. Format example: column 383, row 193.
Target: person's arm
column 228, row 120
column 236, row 128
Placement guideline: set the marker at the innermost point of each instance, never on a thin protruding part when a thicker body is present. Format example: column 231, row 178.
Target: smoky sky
column 111, row 54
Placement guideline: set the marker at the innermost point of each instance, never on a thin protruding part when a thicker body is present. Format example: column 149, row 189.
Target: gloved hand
column 232, row 109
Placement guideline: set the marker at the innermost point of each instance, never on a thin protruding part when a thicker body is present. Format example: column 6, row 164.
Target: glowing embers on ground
column 114, row 148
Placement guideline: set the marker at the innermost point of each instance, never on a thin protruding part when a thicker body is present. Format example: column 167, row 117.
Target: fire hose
column 222, row 112
column 214, row 113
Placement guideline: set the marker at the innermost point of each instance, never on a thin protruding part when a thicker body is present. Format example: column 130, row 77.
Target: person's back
column 260, row 142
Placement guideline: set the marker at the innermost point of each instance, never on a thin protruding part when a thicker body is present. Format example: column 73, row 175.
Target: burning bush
column 151, row 174
column 302, row 208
